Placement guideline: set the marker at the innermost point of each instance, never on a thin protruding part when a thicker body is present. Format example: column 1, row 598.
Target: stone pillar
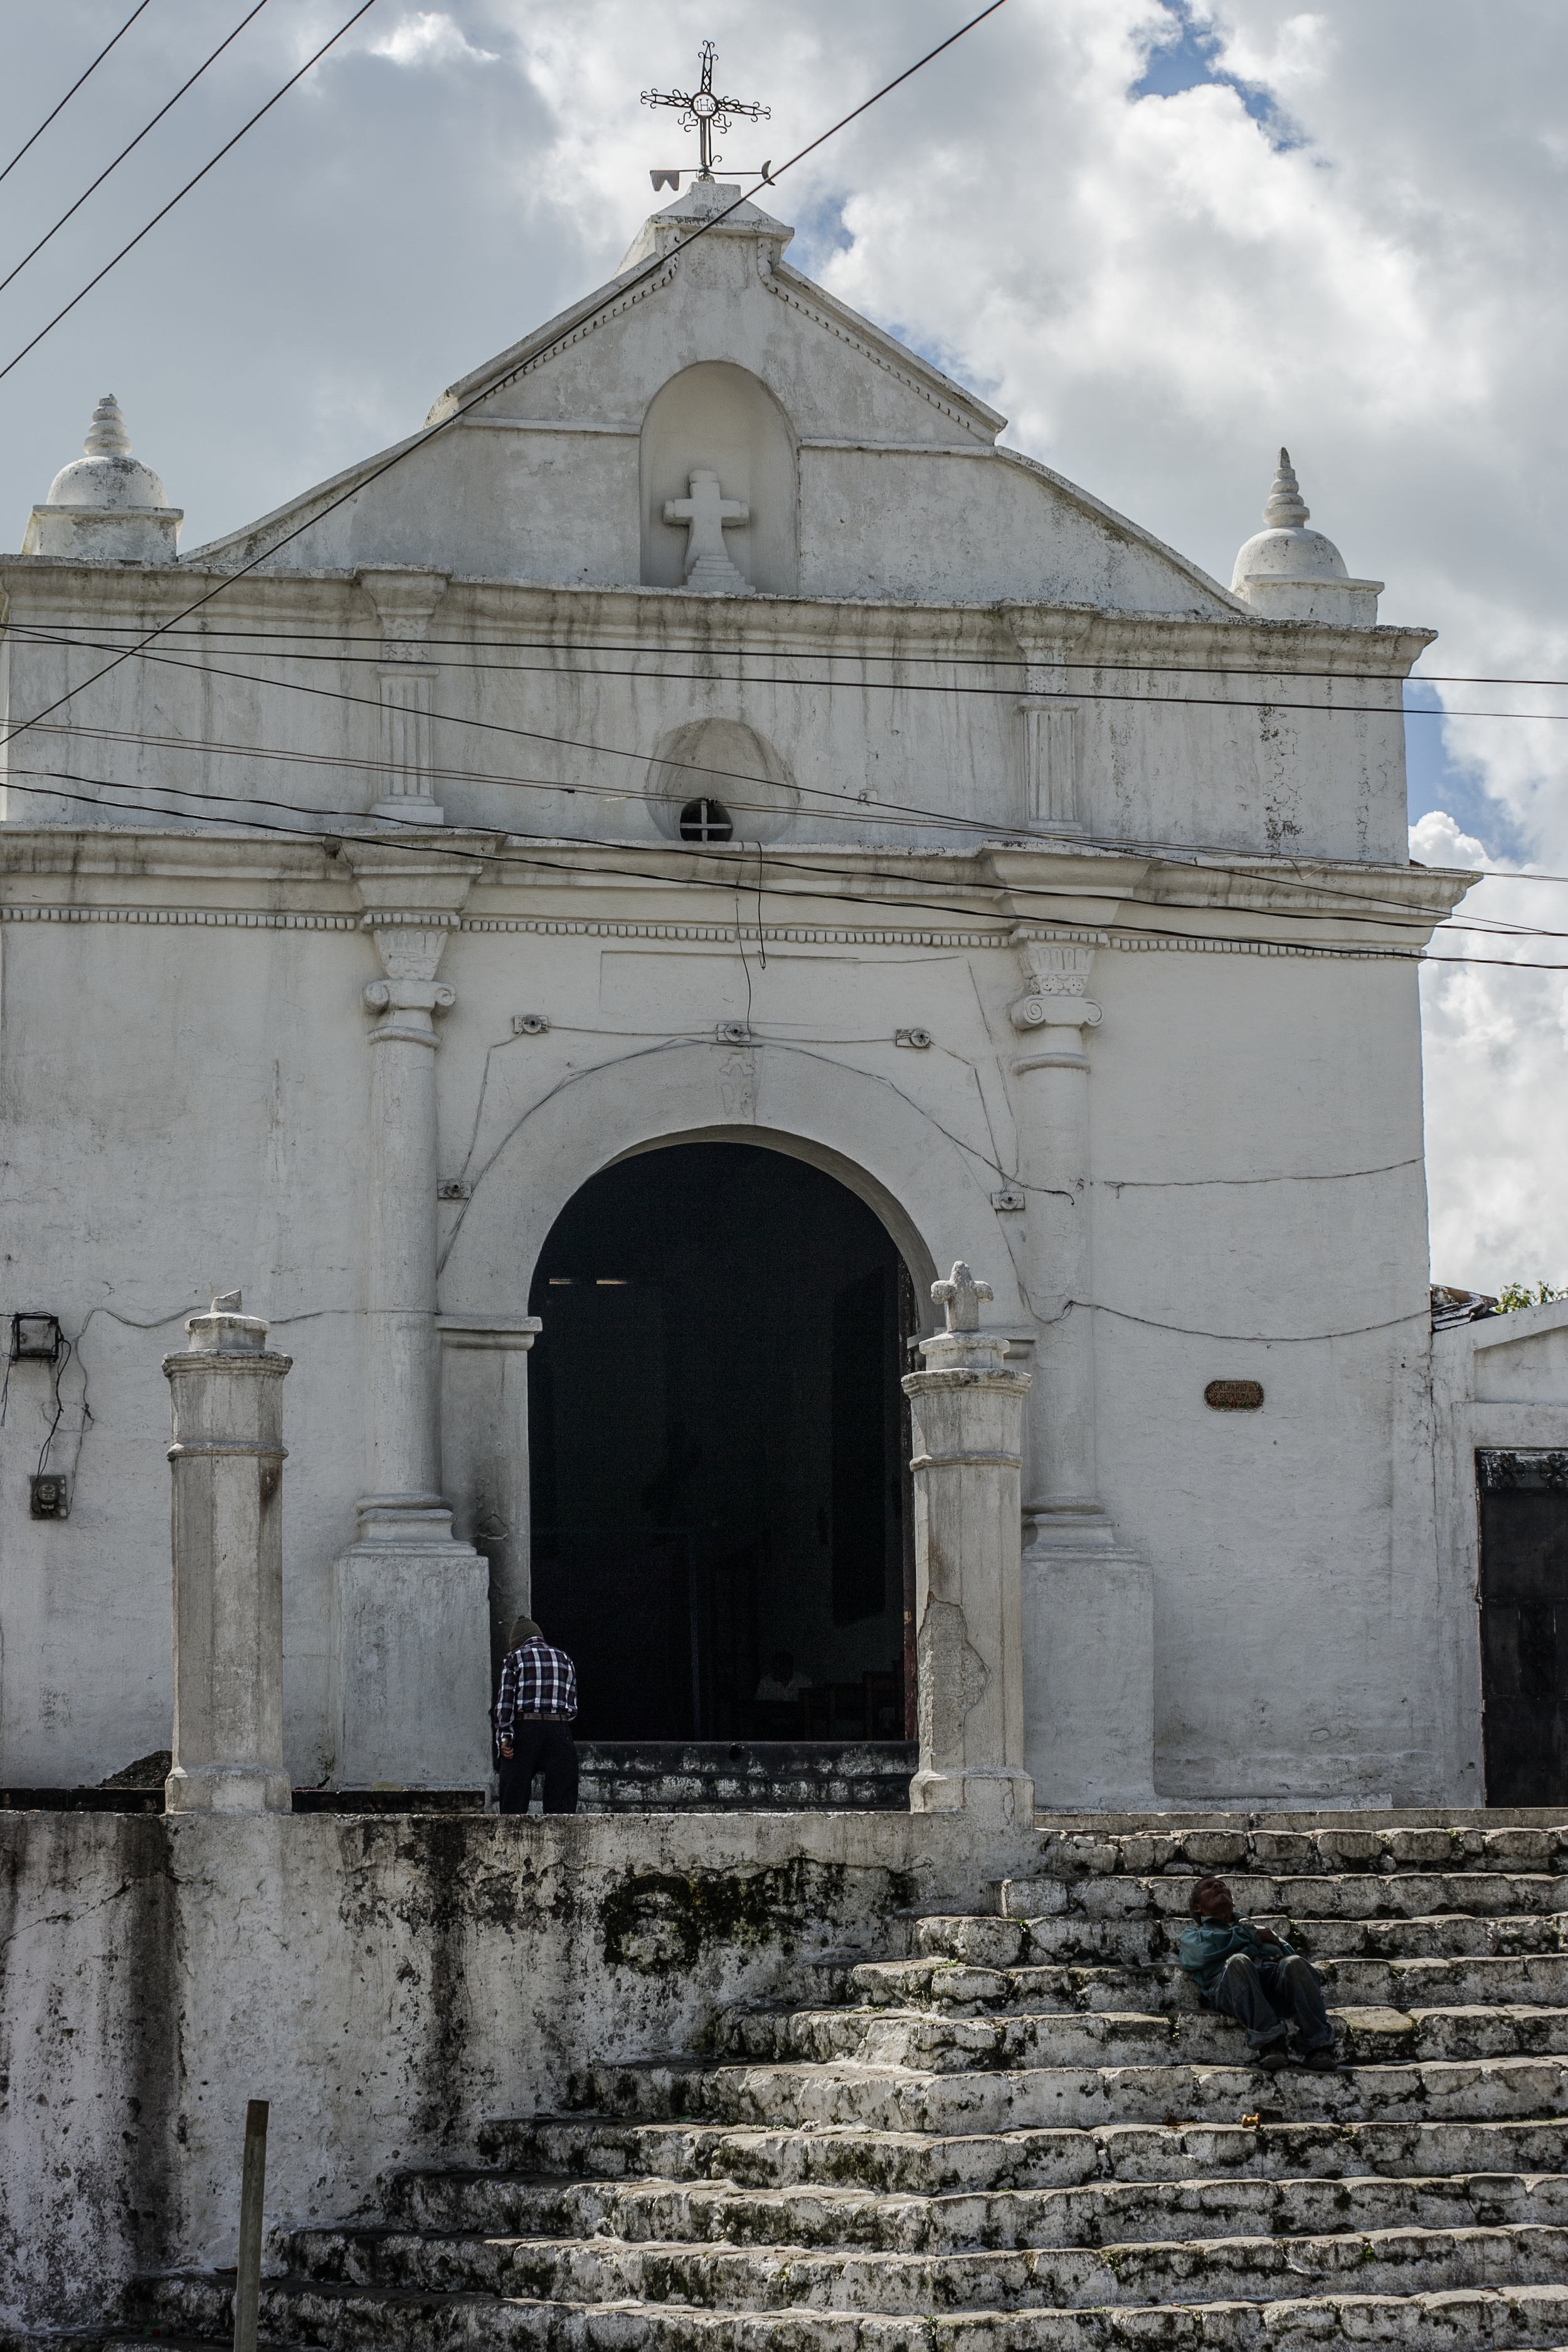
column 226, row 1531
column 966, row 1411
column 405, row 601
column 410, row 1641
column 1088, row 1607
column 484, row 1455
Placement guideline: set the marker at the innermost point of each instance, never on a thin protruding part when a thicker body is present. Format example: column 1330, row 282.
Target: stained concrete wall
column 387, row 1984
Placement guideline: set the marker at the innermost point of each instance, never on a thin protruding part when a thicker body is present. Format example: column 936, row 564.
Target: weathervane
column 705, row 113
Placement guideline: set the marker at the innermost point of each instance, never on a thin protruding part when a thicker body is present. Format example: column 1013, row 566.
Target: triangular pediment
column 862, row 470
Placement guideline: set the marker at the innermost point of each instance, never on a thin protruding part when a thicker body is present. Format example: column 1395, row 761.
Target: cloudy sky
column 1162, row 237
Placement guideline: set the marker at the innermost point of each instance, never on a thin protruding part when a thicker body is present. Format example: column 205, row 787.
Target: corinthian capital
column 410, row 902
column 1056, row 969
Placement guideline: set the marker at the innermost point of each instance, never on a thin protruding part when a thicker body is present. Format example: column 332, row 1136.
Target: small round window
column 705, row 821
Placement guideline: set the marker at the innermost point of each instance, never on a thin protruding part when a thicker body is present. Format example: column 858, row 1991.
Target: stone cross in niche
column 961, row 1297
column 708, row 514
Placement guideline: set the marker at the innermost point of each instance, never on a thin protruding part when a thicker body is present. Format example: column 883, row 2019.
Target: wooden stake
column 252, row 2192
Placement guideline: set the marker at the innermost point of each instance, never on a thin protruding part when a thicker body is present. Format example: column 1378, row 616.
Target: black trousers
column 547, row 1748
column 1265, row 1994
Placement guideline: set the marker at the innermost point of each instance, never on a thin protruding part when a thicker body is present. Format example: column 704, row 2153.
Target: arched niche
column 718, row 416
column 722, row 761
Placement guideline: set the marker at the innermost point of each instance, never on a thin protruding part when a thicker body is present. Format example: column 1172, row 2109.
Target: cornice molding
column 1134, row 895
column 705, row 934
column 579, row 615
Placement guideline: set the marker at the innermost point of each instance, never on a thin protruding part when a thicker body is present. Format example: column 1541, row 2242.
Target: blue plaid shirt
column 535, row 1680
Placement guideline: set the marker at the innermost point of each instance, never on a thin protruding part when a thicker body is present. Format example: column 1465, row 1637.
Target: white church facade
column 582, row 919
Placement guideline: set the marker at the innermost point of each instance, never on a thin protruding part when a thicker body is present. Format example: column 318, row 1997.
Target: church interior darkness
column 714, row 1428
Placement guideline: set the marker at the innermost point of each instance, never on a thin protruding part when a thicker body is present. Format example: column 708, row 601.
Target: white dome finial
column 1287, row 573
column 106, row 507
column 106, row 435
column 1286, row 508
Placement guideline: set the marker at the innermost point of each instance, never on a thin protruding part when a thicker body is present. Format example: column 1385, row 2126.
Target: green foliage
column 1514, row 1295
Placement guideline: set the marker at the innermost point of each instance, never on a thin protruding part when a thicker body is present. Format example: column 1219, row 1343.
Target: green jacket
column 1206, row 1945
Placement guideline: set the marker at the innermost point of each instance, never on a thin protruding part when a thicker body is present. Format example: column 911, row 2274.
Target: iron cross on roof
column 704, row 111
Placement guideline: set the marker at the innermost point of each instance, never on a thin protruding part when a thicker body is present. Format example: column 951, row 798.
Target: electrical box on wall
column 36, row 1339
column 48, row 1498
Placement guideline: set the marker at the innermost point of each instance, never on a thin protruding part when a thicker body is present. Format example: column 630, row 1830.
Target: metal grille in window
column 1542, row 1471
column 705, row 821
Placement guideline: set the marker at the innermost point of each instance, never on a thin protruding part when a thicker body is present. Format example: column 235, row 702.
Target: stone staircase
column 1022, row 2131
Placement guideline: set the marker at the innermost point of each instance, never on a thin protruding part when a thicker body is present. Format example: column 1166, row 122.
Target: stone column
column 966, row 1411
column 484, row 1455
column 405, row 601
column 1089, row 1608
column 226, row 1530
column 410, row 1640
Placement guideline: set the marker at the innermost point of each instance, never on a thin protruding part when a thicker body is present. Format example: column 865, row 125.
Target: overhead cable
column 828, row 881
column 427, row 434
column 939, row 819
column 76, row 85
column 181, row 194
column 1078, row 694
column 126, row 150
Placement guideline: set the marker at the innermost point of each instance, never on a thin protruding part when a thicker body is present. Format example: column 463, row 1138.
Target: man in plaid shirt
column 534, row 1713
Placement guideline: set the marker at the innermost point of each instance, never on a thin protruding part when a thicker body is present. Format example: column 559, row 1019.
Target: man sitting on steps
column 1253, row 1975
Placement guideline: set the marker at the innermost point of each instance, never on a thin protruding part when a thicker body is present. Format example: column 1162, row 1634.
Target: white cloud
column 431, row 38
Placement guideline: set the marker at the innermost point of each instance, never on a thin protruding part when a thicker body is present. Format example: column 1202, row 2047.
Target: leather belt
column 543, row 1719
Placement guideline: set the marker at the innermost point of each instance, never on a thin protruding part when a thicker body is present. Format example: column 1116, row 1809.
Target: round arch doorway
column 719, row 1452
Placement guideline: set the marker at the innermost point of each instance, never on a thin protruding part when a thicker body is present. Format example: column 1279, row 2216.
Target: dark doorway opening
column 719, row 1487
column 1523, row 1501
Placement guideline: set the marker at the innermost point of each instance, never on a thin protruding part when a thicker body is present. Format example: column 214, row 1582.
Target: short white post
column 226, row 1460
column 967, row 1410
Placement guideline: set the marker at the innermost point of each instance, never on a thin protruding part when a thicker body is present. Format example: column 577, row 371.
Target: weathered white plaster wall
column 183, row 1073
column 182, row 1112
column 183, row 1106
column 553, row 706
column 386, row 1985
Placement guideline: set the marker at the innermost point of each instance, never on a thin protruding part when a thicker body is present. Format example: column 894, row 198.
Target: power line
column 905, row 655
column 70, row 93
column 126, row 150
column 837, row 685
column 421, row 439
column 1359, row 902
column 938, row 818
column 146, row 230
column 417, row 838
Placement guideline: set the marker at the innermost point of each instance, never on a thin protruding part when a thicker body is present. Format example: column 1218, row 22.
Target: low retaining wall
column 386, row 1982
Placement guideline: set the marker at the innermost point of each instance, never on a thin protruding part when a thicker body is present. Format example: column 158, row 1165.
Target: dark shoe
column 1323, row 2060
column 1274, row 2058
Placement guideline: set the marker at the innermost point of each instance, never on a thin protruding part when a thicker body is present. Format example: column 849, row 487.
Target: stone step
column 1087, row 1943
column 1525, row 2318
column 1404, row 1894
column 1538, row 1980
column 609, row 2271
column 897, row 2098
column 899, row 2162
column 1379, row 1846
column 933, row 2041
column 503, row 2205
